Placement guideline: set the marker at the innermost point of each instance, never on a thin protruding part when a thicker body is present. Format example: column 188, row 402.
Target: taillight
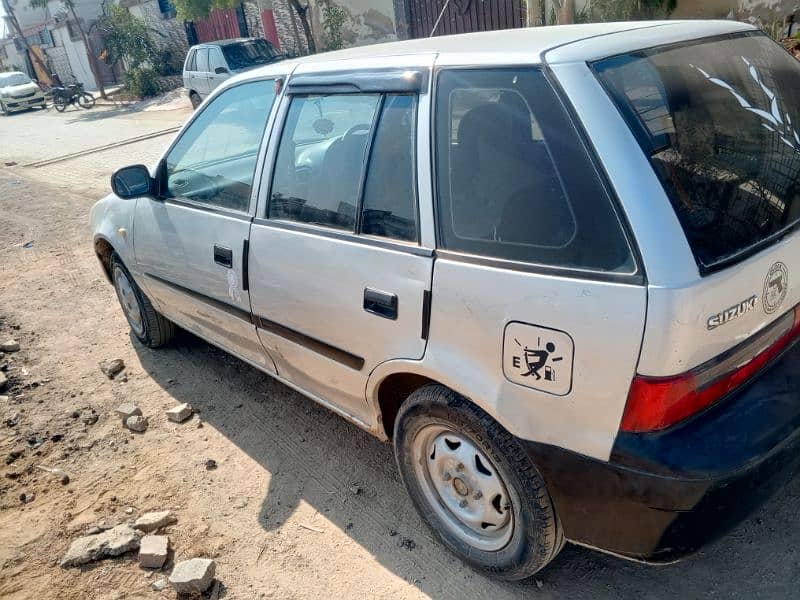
column 657, row 402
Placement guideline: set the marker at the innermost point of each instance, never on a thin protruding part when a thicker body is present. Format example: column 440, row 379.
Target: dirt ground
column 301, row 505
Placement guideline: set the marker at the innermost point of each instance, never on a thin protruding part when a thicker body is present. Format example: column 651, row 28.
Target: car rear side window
column 514, row 181
column 201, row 60
column 720, row 120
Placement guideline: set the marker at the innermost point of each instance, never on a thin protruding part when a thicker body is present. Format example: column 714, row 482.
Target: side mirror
column 133, row 181
column 221, row 70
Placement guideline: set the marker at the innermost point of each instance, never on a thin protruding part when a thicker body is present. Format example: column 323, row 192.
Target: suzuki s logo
column 734, row 312
column 776, row 286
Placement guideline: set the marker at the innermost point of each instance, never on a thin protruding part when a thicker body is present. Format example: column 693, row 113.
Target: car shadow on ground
column 350, row 477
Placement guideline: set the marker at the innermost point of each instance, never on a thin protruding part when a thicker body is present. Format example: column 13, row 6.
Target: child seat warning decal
column 538, row 357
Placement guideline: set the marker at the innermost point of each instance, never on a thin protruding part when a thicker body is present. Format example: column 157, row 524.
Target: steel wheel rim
column 463, row 487
column 129, row 301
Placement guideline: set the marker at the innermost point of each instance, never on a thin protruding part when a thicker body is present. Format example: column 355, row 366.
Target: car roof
column 227, row 42
column 520, row 46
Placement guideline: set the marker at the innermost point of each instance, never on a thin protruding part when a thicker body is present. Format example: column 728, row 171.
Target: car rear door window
column 514, row 181
column 214, row 160
column 720, row 120
column 191, row 62
column 215, row 60
column 389, row 208
column 201, row 60
column 321, row 158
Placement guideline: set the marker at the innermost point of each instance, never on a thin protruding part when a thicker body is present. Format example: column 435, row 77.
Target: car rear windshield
column 720, row 120
column 250, row 53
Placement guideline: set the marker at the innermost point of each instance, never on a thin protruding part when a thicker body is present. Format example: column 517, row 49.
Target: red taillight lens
column 657, row 402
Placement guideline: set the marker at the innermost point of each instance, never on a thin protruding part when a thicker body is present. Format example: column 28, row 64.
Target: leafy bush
column 142, row 82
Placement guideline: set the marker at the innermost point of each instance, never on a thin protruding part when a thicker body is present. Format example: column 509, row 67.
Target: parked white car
column 208, row 65
column 553, row 266
column 19, row 92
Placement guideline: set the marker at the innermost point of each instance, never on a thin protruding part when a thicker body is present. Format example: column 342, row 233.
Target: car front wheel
column 474, row 485
column 148, row 325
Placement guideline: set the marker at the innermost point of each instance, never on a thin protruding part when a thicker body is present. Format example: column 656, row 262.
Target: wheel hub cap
column 128, row 300
column 463, row 487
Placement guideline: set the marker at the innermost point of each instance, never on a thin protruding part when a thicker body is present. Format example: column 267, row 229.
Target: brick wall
column 59, row 62
column 167, row 34
column 252, row 15
column 290, row 31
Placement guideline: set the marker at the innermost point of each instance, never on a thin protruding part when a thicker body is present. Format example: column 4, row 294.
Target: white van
column 555, row 267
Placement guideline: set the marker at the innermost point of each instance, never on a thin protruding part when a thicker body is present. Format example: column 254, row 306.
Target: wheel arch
column 103, row 250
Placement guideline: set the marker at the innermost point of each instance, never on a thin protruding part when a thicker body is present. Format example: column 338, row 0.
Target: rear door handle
column 380, row 303
column 223, row 256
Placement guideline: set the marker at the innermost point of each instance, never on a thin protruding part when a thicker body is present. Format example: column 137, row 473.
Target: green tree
column 127, row 38
column 93, row 65
column 192, row 10
column 627, row 10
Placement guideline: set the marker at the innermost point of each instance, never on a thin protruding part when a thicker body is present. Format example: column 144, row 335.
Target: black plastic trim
column 245, row 265
column 345, row 236
column 230, row 309
column 426, row 314
column 360, row 81
column 341, row 356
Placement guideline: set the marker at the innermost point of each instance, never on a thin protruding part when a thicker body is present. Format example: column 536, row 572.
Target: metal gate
column 462, row 16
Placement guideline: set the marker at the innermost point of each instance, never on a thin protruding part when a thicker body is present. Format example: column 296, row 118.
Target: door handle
column 380, row 303
column 223, row 256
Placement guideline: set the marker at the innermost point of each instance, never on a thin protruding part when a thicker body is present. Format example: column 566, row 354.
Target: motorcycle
column 72, row 94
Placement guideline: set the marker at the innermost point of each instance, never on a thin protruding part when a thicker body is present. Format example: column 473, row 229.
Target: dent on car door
column 538, row 304
column 191, row 244
column 338, row 277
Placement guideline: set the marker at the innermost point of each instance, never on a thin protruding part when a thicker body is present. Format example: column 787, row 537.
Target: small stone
column 539, row 583
column 153, row 551
column 116, row 541
column 75, row 414
column 27, row 497
column 90, row 419
column 3, row 380
column 136, row 423
column 408, row 543
column 14, row 455
column 239, row 503
column 127, row 410
column 179, row 413
column 193, row 576
column 355, row 489
column 211, row 464
column 129, row 511
column 93, row 530
column 9, row 346
column 112, row 367
column 11, row 421
column 153, row 521
column 159, row 586
column 199, row 424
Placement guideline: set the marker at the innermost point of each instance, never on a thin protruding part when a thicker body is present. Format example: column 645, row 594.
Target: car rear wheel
column 147, row 324
column 194, row 98
column 474, row 485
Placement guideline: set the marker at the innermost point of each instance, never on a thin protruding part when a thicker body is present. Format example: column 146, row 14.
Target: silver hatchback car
column 553, row 266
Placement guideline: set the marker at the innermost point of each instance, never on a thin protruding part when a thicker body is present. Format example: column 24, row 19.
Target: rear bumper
column 664, row 495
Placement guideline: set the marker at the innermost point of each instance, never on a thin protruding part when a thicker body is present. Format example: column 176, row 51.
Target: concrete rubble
column 179, row 413
column 127, row 410
column 118, row 540
column 136, row 423
column 153, row 521
column 153, row 550
column 193, row 576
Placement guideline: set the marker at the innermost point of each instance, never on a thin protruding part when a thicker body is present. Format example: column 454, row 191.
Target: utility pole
column 12, row 18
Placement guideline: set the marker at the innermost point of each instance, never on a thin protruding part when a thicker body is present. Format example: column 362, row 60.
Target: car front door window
column 214, row 161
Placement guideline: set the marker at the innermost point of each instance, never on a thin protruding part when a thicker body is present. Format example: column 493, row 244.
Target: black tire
column 195, row 99
column 86, row 100
column 155, row 330
column 60, row 104
column 536, row 536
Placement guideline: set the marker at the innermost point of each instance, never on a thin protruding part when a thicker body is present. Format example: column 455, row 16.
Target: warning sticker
column 538, row 357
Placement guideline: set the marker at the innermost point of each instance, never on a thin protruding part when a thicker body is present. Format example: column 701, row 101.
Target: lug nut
column 463, row 504
column 478, row 495
column 447, row 476
column 460, row 467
